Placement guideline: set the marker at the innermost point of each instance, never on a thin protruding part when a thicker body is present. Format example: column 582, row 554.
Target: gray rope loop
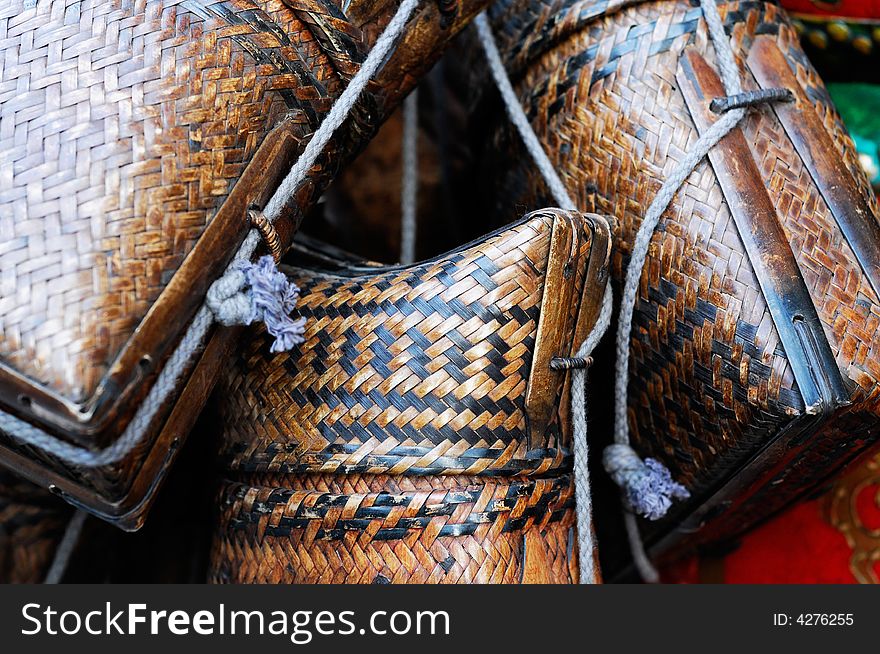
column 227, row 300
column 648, row 487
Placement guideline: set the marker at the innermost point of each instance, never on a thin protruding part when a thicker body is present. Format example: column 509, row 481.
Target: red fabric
column 845, row 9
column 796, row 547
column 808, row 542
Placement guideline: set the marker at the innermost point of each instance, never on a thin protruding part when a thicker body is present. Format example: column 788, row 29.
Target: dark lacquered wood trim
column 815, row 370
column 813, row 143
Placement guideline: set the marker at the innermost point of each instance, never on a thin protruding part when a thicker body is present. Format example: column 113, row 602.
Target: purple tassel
column 648, row 487
column 273, row 298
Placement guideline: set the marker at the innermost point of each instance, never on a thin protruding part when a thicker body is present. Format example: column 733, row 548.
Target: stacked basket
column 420, row 434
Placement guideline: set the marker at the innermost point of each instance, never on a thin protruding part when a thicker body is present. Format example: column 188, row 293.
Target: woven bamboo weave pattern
column 119, row 160
column 423, row 369
column 710, row 382
column 385, row 529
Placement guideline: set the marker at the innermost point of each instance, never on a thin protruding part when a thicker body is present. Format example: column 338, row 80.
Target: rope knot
column 648, row 487
column 250, row 292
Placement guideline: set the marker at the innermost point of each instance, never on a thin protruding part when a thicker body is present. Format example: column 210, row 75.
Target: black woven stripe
column 326, row 501
column 339, row 40
column 380, row 509
column 314, row 462
column 543, row 20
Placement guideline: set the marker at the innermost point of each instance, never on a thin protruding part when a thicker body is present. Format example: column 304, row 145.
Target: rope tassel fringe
column 251, row 292
column 647, row 485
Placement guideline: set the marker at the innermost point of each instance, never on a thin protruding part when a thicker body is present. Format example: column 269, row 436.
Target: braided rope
column 730, row 77
column 171, row 375
column 518, row 117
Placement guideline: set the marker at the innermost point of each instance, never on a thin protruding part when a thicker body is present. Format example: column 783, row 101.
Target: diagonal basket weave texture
column 756, row 339
column 419, row 434
column 135, row 136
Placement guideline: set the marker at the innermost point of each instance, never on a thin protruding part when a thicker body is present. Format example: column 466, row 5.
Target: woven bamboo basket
column 421, row 433
column 32, row 522
column 756, row 339
column 138, row 135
